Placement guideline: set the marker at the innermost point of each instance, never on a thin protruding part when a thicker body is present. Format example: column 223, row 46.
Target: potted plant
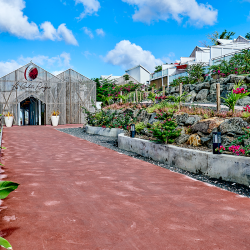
column 55, row 118
column 8, row 119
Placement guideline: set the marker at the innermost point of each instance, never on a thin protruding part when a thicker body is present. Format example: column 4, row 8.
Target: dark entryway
column 32, row 112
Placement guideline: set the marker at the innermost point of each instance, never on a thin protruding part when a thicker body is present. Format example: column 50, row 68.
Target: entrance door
column 31, row 112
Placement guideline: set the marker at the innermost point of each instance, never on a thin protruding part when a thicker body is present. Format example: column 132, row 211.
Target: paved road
column 76, row 195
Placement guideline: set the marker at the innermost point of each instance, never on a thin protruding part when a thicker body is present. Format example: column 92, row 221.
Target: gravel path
column 112, row 143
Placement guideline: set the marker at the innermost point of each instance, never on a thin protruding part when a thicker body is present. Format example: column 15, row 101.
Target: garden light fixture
column 132, row 130
column 216, row 142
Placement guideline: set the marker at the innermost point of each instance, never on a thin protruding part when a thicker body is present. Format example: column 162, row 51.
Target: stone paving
column 74, row 194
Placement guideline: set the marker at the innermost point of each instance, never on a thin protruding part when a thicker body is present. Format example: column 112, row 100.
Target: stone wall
column 206, row 92
column 225, row 167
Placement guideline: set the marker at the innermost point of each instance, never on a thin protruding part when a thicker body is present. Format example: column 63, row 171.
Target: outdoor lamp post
column 132, row 130
column 216, row 142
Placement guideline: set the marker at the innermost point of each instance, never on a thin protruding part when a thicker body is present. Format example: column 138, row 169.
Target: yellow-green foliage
column 139, row 127
column 98, row 115
column 245, row 115
column 153, row 108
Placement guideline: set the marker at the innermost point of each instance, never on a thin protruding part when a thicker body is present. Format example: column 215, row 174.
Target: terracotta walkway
column 76, row 195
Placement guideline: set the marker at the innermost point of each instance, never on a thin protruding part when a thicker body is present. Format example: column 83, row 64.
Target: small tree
column 158, row 68
column 196, row 72
column 224, row 35
column 126, row 77
column 247, row 36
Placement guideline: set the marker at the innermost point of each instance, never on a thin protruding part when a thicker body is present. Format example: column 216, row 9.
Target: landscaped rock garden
column 190, row 127
column 205, row 92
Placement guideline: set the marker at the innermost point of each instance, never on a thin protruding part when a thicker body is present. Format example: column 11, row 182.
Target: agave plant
column 5, row 188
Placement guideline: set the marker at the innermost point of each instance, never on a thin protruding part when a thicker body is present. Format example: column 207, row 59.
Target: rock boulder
column 181, row 119
column 181, row 139
column 192, row 120
column 244, row 102
column 202, row 95
column 206, row 126
column 234, row 125
column 191, row 96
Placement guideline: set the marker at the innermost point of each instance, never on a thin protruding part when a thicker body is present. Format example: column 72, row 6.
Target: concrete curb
column 225, row 167
column 113, row 132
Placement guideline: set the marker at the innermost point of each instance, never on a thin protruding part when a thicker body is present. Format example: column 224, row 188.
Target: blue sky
column 97, row 37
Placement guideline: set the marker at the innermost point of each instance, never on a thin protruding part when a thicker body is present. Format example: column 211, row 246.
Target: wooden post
column 136, row 95
column 180, row 94
column 218, row 96
column 153, row 90
column 163, row 90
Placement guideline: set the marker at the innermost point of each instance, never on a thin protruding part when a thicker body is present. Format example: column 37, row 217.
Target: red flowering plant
column 239, row 91
column 247, row 109
column 236, row 94
column 161, row 98
column 236, row 146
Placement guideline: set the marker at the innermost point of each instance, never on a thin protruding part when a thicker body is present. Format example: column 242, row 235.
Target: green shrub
column 139, row 127
column 196, row 72
column 165, row 130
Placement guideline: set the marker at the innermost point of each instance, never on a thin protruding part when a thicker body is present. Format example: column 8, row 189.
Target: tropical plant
column 6, row 187
column 122, row 98
column 196, row 72
column 152, row 96
column 236, row 94
column 179, row 99
column 224, row 35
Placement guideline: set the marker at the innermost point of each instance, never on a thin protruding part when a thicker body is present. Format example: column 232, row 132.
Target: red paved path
column 77, row 195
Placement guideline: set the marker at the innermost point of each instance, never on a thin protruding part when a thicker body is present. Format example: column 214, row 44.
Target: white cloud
column 90, row 7
column 8, row 67
column 61, row 61
column 13, row 21
column 66, row 34
column 127, row 55
column 88, row 32
column 100, row 32
column 55, row 73
column 198, row 14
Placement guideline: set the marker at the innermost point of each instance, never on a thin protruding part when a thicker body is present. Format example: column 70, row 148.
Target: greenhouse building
column 31, row 94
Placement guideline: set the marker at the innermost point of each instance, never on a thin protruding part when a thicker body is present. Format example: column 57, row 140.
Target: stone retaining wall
column 206, row 91
column 113, row 132
column 227, row 167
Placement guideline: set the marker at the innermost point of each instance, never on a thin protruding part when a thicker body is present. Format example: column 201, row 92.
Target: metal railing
column 226, row 57
column 159, row 74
